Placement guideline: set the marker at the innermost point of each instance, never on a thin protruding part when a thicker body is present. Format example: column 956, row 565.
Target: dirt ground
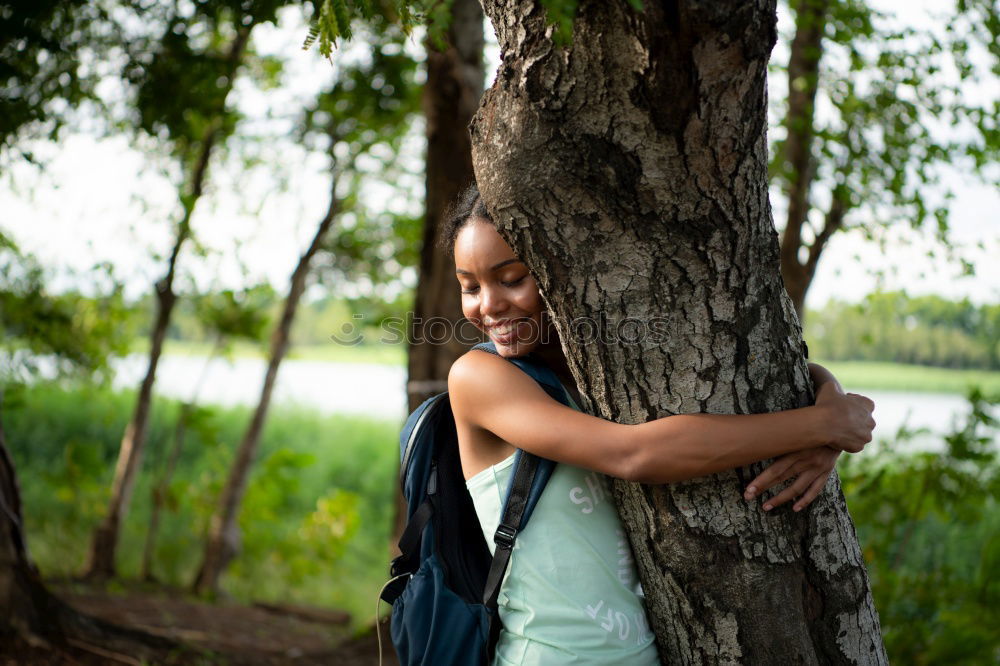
column 223, row 633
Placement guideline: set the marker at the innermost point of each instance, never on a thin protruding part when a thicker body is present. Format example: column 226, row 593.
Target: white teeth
column 504, row 329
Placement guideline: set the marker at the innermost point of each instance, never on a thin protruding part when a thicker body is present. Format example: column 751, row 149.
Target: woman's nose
column 491, row 302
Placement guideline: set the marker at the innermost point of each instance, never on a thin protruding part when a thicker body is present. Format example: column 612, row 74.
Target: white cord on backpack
column 378, row 632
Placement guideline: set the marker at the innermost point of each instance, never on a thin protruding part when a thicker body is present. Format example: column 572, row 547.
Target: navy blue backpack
column 445, row 583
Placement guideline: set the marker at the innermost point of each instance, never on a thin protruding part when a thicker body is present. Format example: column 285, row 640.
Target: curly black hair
column 469, row 206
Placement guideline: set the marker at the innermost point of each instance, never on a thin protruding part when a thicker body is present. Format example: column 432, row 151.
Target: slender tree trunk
column 162, row 486
column 30, row 611
column 105, row 538
column 803, row 81
column 629, row 170
column 160, row 490
column 223, row 541
column 451, row 94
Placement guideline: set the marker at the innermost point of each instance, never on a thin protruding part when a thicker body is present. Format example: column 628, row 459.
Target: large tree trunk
column 105, row 538
column 223, row 541
column 30, row 611
column 451, row 94
column 629, row 170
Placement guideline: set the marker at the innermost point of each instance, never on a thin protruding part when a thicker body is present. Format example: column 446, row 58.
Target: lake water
column 379, row 390
column 375, row 390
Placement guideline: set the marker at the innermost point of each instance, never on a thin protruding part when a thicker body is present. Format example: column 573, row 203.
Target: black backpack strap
column 510, row 521
column 531, row 473
column 409, row 542
column 409, row 545
column 534, row 368
column 505, row 536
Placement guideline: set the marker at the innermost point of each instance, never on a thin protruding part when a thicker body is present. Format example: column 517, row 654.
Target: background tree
column 182, row 87
column 365, row 113
column 450, row 97
column 223, row 541
column 451, row 93
column 43, row 44
column 861, row 141
column 80, row 333
column 924, row 330
column 629, row 170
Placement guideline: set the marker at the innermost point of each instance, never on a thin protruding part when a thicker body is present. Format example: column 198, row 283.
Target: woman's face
column 498, row 293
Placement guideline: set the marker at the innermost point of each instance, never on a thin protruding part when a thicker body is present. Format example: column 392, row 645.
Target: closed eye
column 514, row 283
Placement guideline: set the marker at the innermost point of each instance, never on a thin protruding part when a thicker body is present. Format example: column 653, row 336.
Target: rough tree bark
column 223, row 542
column 451, row 95
column 105, row 539
column 629, row 169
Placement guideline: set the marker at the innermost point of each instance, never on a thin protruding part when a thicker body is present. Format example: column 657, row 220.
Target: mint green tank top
column 571, row 594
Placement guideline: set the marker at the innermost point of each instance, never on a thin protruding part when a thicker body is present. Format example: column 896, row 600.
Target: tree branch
column 833, row 222
column 803, row 81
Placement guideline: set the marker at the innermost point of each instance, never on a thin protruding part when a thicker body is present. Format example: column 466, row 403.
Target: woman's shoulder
column 479, row 377
column 490, row 394
column 474, row 368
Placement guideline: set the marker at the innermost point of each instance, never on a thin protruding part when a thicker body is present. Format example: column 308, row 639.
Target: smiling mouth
column 503, row 329
column 505, row 332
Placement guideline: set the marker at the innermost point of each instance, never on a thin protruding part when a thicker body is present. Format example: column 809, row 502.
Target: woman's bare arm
column 489, row 393
column 821, row 377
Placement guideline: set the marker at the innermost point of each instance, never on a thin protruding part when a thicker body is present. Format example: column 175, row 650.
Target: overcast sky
column 100, row 200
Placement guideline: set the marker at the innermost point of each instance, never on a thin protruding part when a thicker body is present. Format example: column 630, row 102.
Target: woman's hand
column 849, row 419
column 812, row 468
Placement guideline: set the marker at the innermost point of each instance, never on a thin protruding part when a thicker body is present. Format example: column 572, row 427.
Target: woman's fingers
column 811, row 469
column 868, row 403
column 789, row 493
column 775, row 473
column 806, row 487
column 815, row 488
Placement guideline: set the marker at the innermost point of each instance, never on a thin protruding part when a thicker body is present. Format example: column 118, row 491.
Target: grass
column 315, row 519
column 911, row 378
column 382, row 354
